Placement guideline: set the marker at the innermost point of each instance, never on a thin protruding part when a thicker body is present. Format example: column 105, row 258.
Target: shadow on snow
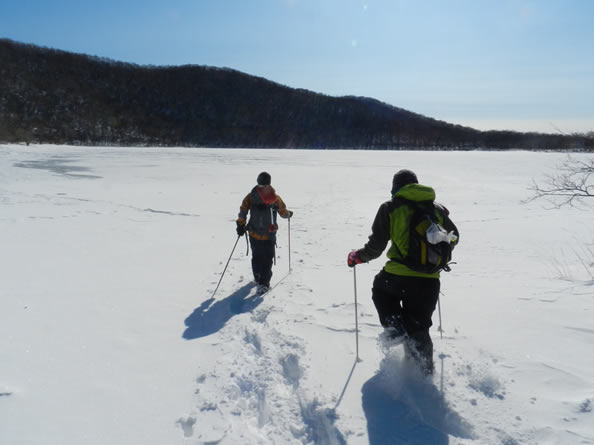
column 403, row 407
column 208, row 318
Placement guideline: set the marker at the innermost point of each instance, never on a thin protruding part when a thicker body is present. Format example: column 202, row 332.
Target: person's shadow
column 403, row 408
column 208, row 318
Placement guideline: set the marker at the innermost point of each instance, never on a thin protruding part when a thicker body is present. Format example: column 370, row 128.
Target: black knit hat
column 263, row 179
column 402, row 178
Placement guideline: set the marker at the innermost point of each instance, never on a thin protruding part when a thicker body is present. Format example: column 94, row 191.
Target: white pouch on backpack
column 437, row 234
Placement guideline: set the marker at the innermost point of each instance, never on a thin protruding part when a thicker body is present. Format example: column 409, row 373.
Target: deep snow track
column 253, row 395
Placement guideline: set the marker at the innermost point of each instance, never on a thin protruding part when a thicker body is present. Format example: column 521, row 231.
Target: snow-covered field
column 109, row 335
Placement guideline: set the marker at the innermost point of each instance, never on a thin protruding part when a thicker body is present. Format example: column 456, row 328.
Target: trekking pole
column 289, row 244
column 439, row 311
column 356, row 314
column 225, row 269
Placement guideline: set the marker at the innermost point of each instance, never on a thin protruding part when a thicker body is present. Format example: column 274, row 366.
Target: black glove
column 240, row 229
column 290, row 213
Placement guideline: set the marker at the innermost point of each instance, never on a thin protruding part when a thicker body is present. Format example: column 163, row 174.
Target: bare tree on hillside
column 571, row 184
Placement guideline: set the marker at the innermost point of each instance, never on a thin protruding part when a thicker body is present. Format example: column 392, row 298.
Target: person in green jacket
column 404, row 298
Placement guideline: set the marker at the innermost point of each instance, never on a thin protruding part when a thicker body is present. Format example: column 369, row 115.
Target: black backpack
column 262, row 216
column 430, row 242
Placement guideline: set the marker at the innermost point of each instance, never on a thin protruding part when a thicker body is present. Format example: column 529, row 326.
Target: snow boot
column 262, row 289
column 392, row 337
column 418, row 349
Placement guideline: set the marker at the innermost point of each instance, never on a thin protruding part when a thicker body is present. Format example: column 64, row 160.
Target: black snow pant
column 262, row 258
column 407, row 304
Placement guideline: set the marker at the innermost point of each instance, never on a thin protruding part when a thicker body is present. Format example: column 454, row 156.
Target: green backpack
column 430, row 241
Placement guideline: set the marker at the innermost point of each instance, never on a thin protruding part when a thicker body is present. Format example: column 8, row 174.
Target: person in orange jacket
column 263, row 205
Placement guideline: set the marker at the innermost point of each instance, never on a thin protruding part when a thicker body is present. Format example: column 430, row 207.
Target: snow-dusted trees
column 77, row 99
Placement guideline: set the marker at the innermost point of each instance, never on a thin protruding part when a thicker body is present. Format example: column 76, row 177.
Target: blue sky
column 491, row 64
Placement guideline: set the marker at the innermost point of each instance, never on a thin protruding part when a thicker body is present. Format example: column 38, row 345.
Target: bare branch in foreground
column 573, row 182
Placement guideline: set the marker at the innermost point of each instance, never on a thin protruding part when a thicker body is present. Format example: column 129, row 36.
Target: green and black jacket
column 392, row 224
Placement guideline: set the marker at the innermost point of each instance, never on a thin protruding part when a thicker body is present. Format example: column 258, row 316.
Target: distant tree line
column 52, row 96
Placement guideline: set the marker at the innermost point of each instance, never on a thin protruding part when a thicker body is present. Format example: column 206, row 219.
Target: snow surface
column 109, row 333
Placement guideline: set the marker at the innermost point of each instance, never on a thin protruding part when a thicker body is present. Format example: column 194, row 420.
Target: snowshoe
column 262, row 289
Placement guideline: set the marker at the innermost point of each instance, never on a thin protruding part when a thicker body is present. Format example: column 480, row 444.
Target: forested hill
column 52, row 96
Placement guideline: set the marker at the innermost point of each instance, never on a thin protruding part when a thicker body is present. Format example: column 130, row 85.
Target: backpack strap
column 399, row 202
column 273, row 224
